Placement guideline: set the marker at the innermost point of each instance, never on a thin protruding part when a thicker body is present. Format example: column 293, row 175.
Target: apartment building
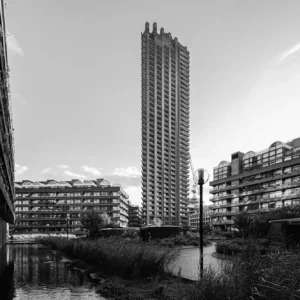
column 6, row 139
column 57, row 206
column 194, row 217
column 165, row 128
column 134, row 216
column 256, row 182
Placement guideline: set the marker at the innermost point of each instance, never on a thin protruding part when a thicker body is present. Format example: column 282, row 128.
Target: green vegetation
column 188, row 239
column 120, row 257
column 94, row 221
column 252, row 276
column 249, row 224
column 238, row 245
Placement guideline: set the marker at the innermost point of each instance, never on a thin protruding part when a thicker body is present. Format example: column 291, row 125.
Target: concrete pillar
column 3, row 232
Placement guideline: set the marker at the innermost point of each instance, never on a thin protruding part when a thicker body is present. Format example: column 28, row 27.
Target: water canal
column 31, row 271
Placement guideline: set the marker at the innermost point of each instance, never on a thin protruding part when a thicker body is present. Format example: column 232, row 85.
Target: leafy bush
column 115, row 256
column 238, row 245
column 188, row 239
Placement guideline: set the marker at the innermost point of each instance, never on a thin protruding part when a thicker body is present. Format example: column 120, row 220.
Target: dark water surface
column 36, row 272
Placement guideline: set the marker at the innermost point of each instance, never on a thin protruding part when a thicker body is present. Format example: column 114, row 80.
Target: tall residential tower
column 7, row 191
column 165, row 128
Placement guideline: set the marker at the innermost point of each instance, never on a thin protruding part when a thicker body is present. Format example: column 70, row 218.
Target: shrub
column 125, row 258
column 237, row 246
column 188, row 239
column 252, row 276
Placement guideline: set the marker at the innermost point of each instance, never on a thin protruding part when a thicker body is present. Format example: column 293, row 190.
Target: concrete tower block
column 147, row 27
column 155, row 27
column 162, row 31
column 176, row 40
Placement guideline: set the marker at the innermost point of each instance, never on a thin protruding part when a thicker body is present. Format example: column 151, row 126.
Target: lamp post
column 67, row 219
column 202, row 177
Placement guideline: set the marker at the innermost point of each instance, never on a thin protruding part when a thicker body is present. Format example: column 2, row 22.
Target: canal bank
column 32, row 271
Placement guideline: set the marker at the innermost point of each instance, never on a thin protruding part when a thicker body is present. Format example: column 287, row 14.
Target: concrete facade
column 3, row 232
column 256, row 182
column 165, row 128
column 134, row 216
column 58, row 206
column 6, row 138
column 194, row 217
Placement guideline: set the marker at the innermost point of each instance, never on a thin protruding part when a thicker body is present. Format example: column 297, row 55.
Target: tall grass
column 253, row 276
column 120, row 257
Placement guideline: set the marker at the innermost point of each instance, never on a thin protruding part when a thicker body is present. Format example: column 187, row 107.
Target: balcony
column 220, row 214
column 222, row 197
column 223, row 222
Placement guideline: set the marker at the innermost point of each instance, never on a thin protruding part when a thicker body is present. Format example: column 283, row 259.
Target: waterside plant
column 119, row 257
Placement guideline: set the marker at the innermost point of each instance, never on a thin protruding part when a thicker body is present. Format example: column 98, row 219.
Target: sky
column 75, row 76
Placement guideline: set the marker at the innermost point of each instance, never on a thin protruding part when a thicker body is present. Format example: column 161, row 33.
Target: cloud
column 13, row 45
column 20, row 169
column 127, row 172
column 126, row 177
column 63, row 166
column 74, row 175
column 48, row 170
column 287, row 53
column 91, row 170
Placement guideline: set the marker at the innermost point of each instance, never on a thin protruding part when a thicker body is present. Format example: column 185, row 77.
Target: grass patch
column 119, row 257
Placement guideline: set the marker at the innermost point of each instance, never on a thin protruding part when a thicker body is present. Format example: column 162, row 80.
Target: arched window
column 223, row 164
column 89, row 182
column 77, row 182
column 222, row 171
column 105, row 183
column 63, row 183
column 249, row 160
column 276, row 153
column 276, row 145
column 52, row 182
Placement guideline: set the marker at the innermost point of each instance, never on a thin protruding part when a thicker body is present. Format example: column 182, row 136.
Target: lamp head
column 201, row 175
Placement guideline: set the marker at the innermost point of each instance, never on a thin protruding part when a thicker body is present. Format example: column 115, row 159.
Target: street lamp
column 67, row 219
column 202, row 177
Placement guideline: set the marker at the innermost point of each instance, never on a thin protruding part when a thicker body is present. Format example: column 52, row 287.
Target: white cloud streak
column 288, row 53
column 91, row 170
column 47, row 170
column 74, row 175
column 13, row 46
column 20, row 169
column 63, row 166
column 127, row 172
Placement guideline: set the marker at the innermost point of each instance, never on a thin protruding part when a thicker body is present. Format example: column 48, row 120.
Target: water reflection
column 35, row 272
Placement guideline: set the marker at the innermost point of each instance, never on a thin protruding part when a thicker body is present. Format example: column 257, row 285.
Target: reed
column 120, row 257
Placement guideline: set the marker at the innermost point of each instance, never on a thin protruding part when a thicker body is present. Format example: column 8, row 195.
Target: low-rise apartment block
column 194, row 217
column 135, row 216
column 57, row 206
column 256, row 182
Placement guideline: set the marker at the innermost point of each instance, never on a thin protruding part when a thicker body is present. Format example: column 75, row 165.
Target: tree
column 244, row 223
column 94, row 221
column 286, row 212
column 156, row 222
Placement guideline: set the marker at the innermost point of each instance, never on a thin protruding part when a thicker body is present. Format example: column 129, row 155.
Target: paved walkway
column 188, row 261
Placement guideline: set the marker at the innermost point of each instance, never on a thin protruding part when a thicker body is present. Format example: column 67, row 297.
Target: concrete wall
column 3, row 232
